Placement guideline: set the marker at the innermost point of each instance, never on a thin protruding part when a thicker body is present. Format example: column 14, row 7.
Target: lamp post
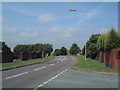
column 85, row 15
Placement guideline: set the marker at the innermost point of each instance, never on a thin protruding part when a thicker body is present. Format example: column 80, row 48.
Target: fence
column 27, row 55
column 110, row 58
column 7, row 57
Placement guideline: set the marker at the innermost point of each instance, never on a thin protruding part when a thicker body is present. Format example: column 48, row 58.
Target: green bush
column 109, row 40
column 74, row 49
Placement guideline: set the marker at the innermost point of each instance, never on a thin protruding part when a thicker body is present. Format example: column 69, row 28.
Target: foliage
column 47, row 48
column 74, row 49
column 63, row 51
column 109, row 40
column 91, row 49
column 4, row 47
column 57, row 52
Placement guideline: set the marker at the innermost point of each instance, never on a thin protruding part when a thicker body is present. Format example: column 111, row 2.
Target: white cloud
column 55, row 29
column 68, row 32
column 18, row 35
column 29, row 33
column 63, row 32
column 46, row 18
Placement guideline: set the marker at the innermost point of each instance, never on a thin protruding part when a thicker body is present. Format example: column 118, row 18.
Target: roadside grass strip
column 22, row 63
column 91, row 65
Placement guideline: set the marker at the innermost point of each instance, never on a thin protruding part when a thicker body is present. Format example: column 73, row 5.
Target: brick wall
column 17, row 55
column 39, row 55
column 7, row 57
column 34, row 55
column 27, row 55
column 110, row 58
column 24, row 56
column 21, row 56
column 100, row 56
column 114, row 59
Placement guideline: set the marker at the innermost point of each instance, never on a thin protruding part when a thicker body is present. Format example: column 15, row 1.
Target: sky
column 51, row 22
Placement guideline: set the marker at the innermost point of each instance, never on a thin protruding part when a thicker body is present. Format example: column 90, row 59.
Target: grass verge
column 22, row 63
column 91, row 65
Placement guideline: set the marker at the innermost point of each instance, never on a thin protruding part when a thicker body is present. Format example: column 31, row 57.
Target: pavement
column 82, row 79
column 56, row 74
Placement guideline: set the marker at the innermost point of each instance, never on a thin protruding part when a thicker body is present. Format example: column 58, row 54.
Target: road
column 82, row 79
column 56, row 74
column 35, row 75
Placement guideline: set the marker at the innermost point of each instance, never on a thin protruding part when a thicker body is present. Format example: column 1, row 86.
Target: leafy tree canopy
column 74, row 49
column 4, row 47
column 63, row 51
column 47, row 48
column 109, row 40
column 91, row 48
column 57, row 52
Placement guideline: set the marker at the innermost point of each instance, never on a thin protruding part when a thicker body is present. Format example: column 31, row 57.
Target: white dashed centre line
column 16, row 75
column 51, row 64
column 39, row 68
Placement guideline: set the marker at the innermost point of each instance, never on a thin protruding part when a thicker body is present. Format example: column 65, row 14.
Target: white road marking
column 60, row 59
column 16, row 75
column 39, row 68
column 51, row 64
column 50, row 79
column 58, row 62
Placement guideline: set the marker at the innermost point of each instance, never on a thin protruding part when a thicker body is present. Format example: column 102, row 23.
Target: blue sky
column 51, row 22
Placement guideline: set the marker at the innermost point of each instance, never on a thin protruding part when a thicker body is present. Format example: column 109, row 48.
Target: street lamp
column 85, row 15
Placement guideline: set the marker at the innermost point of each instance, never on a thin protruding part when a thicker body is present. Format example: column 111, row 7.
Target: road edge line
column 50, row 79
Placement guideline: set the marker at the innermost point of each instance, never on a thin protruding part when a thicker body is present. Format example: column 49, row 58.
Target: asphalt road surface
column 81, row 79
column 35, row 75
column 56, row 74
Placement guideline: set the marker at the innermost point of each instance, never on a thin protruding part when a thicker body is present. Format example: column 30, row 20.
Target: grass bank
column 22, row 63
column 91, row 65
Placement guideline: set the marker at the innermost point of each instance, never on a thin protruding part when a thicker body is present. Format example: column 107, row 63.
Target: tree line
column 74, row 50
column 39, row 48
column 107, row 41
column 46, row 48
column 96, row 42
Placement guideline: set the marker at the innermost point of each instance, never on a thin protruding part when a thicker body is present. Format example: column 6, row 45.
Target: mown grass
column 93, row 65
column 22, row 63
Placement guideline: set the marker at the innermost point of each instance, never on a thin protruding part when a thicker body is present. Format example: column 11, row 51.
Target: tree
column 112, row 40
column 6, row 54
column 74, row 49
column 46, row 48
column 109, row 40
column 4, row 47
column 63, row 51
column 21, row 48
column 100, row 42
column 91, row 47
column 57, row 52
